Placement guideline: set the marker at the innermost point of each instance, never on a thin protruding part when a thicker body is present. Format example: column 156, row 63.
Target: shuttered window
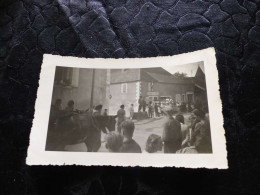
column 66, row 76
column 124, row 88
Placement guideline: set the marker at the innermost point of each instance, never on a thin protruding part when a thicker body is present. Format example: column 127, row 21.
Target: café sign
column 151, row 93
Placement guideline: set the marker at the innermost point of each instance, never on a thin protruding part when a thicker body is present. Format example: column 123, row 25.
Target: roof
column 157, row 70
column 147, row 74
column 162, row 78
column 124, row 75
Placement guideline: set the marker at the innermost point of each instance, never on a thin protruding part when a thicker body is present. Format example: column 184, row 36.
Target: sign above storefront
column 152, row 93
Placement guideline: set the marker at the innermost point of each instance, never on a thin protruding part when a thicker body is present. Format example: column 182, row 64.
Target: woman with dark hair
column 201, row 136
column 153, row 144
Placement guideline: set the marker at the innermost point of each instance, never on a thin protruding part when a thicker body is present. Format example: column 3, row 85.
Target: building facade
column 114, row 87
column 76, row 84
column 154, row 84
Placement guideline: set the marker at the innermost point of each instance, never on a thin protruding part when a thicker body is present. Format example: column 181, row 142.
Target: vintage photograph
column 161, row 111
column 142, row 110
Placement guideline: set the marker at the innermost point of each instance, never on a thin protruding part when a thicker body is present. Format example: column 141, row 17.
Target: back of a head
column 152, row 142
column 180, row 118
column 128, row 127
column 199, row 113
column 114, row 141
column 122, row 106
column 71, row 103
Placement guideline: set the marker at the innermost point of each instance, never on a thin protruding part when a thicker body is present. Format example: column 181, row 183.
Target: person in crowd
column 129, row 144
column 131, row 110
column 150, row 110
column 53, row 136
column 55, row 110
column 67, row 125
column 153, row 144
column 160, row 109
column 120, row 117
column 172, row 136
column 70, row 106
column 184, row 127
column 58, row 104
column 189, row 108
column 156, row 110
column 97, row 110
column 187, row 150
column 144, row 104
column 206, row 110
column 140, row 102
column 190, row 129
column 105, row 112
column 201, row 137
column 114, row 141
column 198, row 104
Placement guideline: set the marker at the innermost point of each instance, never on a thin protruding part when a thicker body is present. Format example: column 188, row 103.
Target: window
column 124, row 88
column 183, row 98
column 150, row 86
column 65, row 76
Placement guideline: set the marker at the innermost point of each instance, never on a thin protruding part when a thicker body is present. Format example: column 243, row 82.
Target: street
column 143, row 129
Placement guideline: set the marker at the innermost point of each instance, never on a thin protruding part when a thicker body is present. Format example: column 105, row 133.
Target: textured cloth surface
column 129, row 28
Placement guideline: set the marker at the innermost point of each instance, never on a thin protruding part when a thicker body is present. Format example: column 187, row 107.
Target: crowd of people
column 154, row 108
column 176, row 135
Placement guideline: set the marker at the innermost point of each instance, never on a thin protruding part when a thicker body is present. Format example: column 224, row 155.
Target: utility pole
column 92, row 88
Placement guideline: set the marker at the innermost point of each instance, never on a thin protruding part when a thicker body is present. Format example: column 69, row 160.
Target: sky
column 189, row 69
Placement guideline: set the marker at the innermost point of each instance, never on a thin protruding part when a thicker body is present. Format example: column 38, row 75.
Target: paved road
column 143, row 129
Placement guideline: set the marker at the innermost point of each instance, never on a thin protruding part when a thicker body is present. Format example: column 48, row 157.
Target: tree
column 179, row 75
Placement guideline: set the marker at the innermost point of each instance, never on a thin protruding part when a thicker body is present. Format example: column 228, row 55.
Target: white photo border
column 36, row 151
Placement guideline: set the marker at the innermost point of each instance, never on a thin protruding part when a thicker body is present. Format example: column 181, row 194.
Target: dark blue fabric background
column 130, row 28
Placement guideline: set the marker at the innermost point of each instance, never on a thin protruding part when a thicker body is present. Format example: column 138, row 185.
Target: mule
column 73, row 128
column 98, row 124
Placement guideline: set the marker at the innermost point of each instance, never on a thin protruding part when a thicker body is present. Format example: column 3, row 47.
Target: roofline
column 124, row 82
column 148, row 82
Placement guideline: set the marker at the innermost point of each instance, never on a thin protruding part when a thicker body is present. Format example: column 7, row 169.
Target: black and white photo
column 131, row 110
column 166, row 107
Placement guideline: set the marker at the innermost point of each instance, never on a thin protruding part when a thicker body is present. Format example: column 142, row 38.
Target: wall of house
column 124, row 75
column 118, row 98
column 82, row 94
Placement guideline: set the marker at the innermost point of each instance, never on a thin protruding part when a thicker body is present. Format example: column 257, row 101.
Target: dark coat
column 130, row 146
column 201, row 137
column 172, row 136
